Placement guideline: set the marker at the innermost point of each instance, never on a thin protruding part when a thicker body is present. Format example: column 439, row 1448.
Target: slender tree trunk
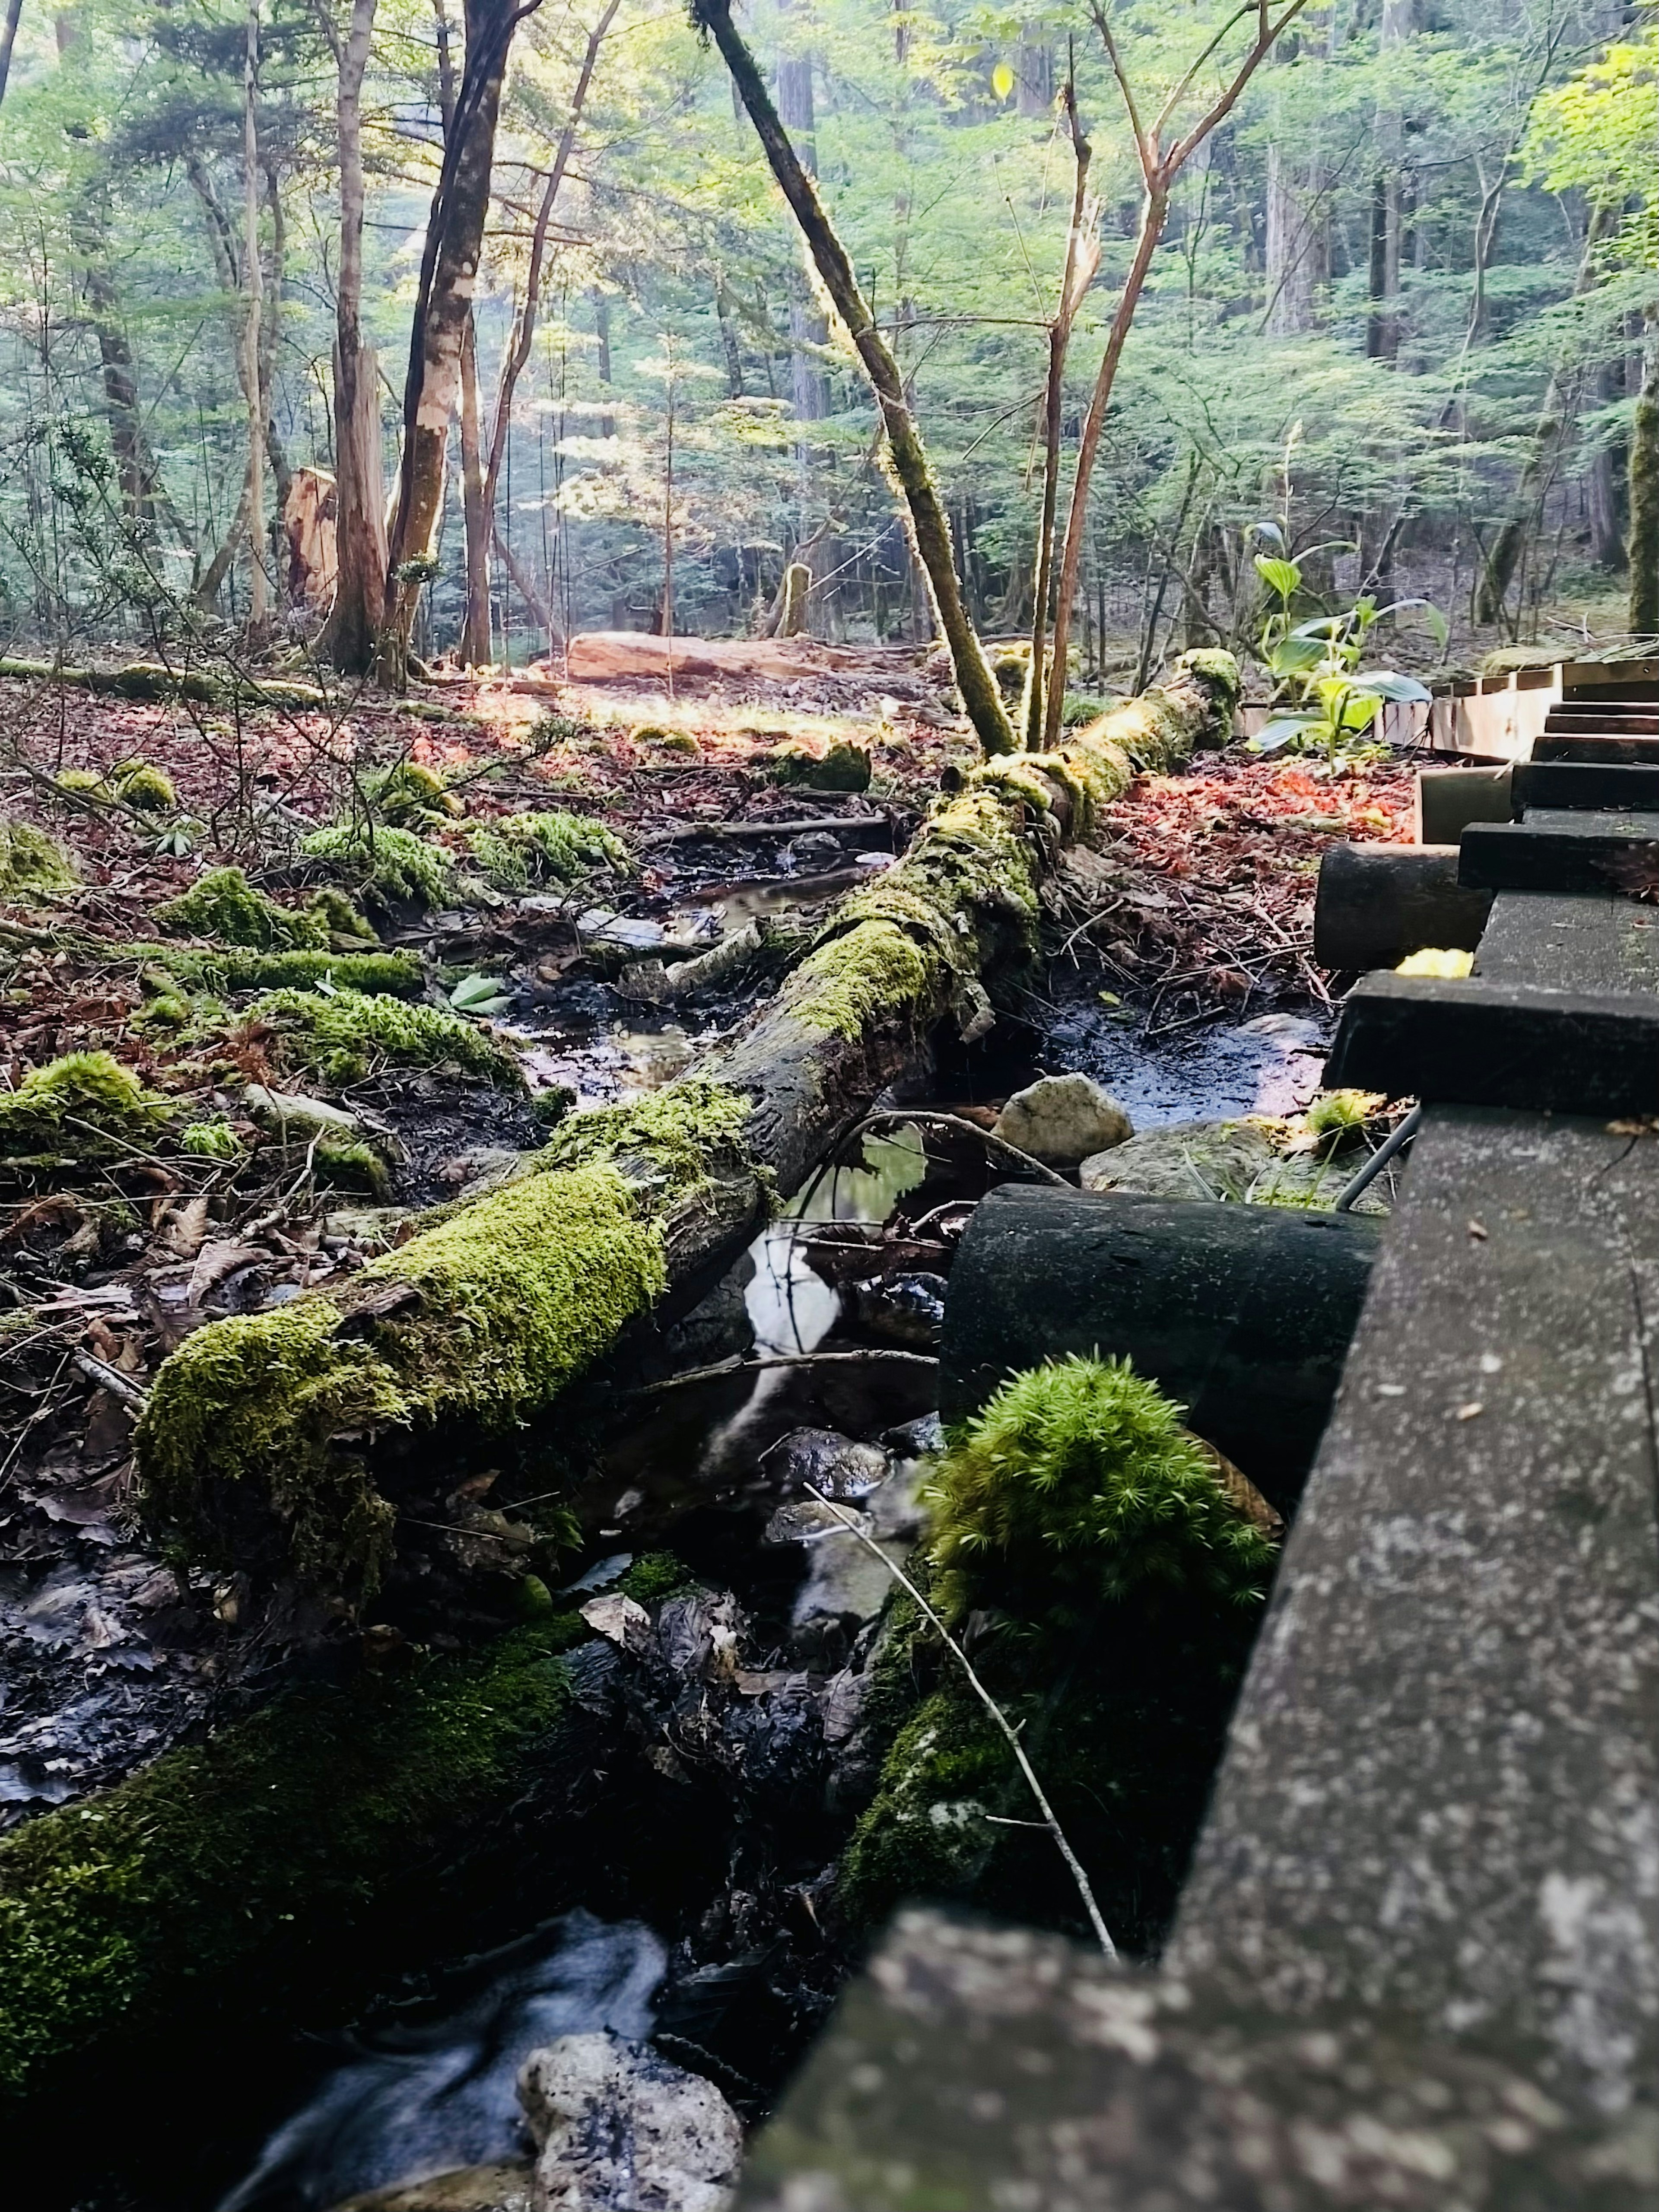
column 730, row 342
column 1293, row 257
column 1383, row 329
column 906, row 455
column 226, row 249
column 258, row 587
column 1644, row 498
column 348, row 637
column 530, row 591
column 449, row 270
column 476, row 509
column 9, row 40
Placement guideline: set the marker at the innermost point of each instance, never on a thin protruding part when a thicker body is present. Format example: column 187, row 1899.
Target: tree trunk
column 907, row 456
column 1645, row 499
column 1293, row 241
column 476, row 509
column 9, row 40
column 348, row 639
column 546, row 1273
column 253, row 284
column 1383, row 329
column 449, row 270
column 225, row 248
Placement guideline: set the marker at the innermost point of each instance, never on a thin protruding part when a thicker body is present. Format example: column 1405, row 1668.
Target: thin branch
column 1075, row 1865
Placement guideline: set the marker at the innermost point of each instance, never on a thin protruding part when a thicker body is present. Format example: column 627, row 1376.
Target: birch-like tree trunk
column 253, row 285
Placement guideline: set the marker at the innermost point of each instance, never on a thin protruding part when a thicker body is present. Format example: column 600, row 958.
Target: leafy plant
column 1327, row 701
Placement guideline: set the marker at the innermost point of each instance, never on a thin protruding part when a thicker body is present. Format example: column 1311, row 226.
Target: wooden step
column 1481, row 1043
column 1633, row 722
column 1554, row 850
column 1604, row 745
column 1583, row 787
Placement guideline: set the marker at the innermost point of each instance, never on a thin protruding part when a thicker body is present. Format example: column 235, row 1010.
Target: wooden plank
column 1551, row 850
column 1376, row 903
column 1584, row 786
column 1596, row 745
column 1592, row 942
column 1482, row 1043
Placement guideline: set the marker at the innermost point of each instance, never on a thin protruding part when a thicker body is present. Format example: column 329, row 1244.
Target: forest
column 716, row 727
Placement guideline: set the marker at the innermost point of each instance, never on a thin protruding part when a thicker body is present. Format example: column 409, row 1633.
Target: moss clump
column 410, row 795
column 873, row 973
column 223, row 903
column 844, row 767
column 1077, row 1483
column 138, row 783
column 388, row 866
column 31, row 861
column 211, row 1140
column 347, row 927
column 339, row 1036
column 1114, row 1586
column 655, row 1576
column 395, row 975
column 1336, row 1113
column 519, row 850
column 349, row 1164
column 82, row 781
column 671, row 1135
column 225, row 1873
column 85, row 1105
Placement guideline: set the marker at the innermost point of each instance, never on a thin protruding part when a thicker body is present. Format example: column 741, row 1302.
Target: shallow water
column 421, row 2092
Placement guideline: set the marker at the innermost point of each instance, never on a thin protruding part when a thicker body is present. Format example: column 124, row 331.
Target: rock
column 1061, row 1120
column 902, row 1309
column 816, row 854
column 1212, row 1159
column 503, row 2186
column 916, row 1439
column 291, row 1111
column 833, row 1464
column 619, row 2128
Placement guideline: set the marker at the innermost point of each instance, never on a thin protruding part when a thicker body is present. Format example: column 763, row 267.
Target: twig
column 111, row 1379
column 738, row 1365
column 996, row 1713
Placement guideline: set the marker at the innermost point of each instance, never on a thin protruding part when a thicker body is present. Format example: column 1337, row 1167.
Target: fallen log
column 627, row 656
column 1242, row 1313
column 257, row 1447
column 1377, row 903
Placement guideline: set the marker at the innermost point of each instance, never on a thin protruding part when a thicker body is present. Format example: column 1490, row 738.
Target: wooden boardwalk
column 1417, row 1959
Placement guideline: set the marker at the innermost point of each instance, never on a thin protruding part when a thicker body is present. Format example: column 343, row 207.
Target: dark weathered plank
column 1551, row 850
column 1441, row 1796
column 1484, row 1044
column 1584, row 941
column 1581, row 785
column 1376, row 903
column 1611, row 746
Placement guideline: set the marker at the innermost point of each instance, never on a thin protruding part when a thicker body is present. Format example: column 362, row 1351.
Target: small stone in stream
column 804, row 1520
column 905, row 1308
column 816, row 854
column 619, row 2128
column 916, row 1439
column 287, row 1111
column 505, row 2185
column 1061, row 1120
column 623, row 932
column 833, row 1464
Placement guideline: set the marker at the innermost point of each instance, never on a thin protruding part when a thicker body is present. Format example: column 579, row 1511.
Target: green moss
column 843, row 767
column 349, row 1164
column 85, row 1105
column 31, row 861
column 397, row 975
column 347, row 927
column 223, row 903
column 410, row 795
column 875, row 972
column 211, row 1140
column 139, row 783
column 671, row 1135
column 1078, row 1481
column 926, row 1834
column 340, row 1035
column 387, row 866
column 518, row 850
column 1338, row 1112
column 85, row 780
column 234, row 1872
column 655, row 1575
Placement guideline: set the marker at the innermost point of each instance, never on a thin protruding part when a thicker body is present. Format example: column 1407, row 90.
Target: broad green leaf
column 1281, row 576
column 1294, row 655
column 1387, row 684
column 477, row 994
column 1280, row 732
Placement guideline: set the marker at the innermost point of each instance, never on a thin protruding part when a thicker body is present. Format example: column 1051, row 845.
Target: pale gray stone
column 1061, row 1120
column 619, row 2128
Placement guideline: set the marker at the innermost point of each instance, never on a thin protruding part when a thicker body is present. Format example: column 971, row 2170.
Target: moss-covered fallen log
column 158, row 682
column 256, row 1868
column 259, row 1445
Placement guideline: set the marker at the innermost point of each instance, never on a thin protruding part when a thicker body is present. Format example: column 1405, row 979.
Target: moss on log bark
column 257, row 1446
column 257, row 1863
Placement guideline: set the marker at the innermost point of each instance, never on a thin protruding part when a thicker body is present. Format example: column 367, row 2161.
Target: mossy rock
column 31, row 861
column 141, row 785
column 85, row 1106
column 844, row 767
column 518, row 851
column 389, row 866
column 235, row 1873
column 222, row 903
column 340, row 1035
column 410, row 796
column 396, row 974
column 211, row 1140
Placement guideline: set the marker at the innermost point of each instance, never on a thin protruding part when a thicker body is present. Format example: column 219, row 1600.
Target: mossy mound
column 410, row 796
column 339, row 1036
column 30, row 861
column 222, row 903
column 139, row 783
column 231, row 1873
column 388, row 867
column 518, row 851
column 211, row 1140
column 1112, row 1585
column 844, row 767
column 84, row 1106
column 485, row 1316
column 395, row 975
